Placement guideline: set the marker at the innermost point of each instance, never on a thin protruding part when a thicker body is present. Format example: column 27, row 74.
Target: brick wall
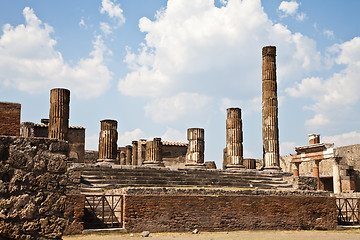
column 10, row 118
column 227, row 213
column 74, row 213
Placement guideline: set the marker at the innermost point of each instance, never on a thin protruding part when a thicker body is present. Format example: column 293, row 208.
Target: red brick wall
column 74, row 214
column 10, row 118
column 227, row 213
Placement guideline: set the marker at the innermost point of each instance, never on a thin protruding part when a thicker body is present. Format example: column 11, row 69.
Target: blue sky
column 159, row 67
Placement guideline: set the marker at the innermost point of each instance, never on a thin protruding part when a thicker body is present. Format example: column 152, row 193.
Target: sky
column 160, row 67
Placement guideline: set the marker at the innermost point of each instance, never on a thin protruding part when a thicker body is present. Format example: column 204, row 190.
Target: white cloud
column 129, row 136
column 329, row 34
column 319, row 120
column 29, row 61
column 301, row 16
column 82, row 23
column 173, row 135
column 339, row 92
column 197, row 47
column 181, row 105
column 113, row 11
column 289, row 8
column 344, row 139
column 105, row 28
column 287, row 148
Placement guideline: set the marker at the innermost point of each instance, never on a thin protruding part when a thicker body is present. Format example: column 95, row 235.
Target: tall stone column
column 270, row 130
column 154, row 153
column 336, row 178
column 316, row 173
column 234, row 139
column 59, row 113
column 134, row 153
column 108, row 141
column 128, row 155
column 196, row 147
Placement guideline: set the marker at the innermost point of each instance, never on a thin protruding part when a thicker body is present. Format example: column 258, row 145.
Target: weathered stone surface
column 270, row 129
column 154, row 153
column 196, row 148
column 59, row 113
column 32, row 188
column 108, row 141
column 234, row 139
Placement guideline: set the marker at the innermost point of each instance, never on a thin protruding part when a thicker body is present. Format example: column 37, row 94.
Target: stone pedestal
column 108, row 141
column 134, row 153
column 128, row 155
column 154, row 153
column 59, row 113
column 234, row 139
column 270, row 131
column 196, row 147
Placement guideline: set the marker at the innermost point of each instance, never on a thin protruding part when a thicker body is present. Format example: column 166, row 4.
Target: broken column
column 154, row 153
column 134, row 153
column 59, row 113
column 108, row 141
column 122, row 158
column 270, row 131
column 196, row 147
column 128, row 155
column 234, row 139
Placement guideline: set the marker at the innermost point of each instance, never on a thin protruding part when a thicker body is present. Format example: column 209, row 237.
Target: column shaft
column 154, row 153
column 108, row 141
column 196, row 148
column 270, row 130
column 59, row 113
column 234, row 139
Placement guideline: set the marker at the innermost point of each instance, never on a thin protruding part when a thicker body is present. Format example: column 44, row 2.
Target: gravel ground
column 268, row 235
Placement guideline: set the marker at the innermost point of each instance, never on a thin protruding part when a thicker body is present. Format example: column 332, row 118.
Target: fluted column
column 59, row 113
column 270, row 131
column 128, row 155
column 108, row 141
column 134, row 153
column 154, row 153
column 234, row 139
column 196, row 147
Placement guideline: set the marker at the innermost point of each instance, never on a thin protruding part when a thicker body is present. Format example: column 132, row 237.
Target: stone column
column 122, row 158
column 154, row 153
column 134, row 153
column 234, row 139
column 196, row 147
column 59, row 113
column 336, row 178
column 108, row 141
column 141, row 151
column 128, row 155
column 270, row 131
column 316, row 173
column 296, row 169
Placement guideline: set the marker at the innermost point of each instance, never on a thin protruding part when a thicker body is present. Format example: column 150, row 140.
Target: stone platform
column 93, row 178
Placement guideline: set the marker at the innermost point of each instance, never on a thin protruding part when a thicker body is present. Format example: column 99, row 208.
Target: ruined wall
column 10, row 118
column 74, row 213
column 32, row 187
column 91, row 156
column 159, row 213
column 76, row 136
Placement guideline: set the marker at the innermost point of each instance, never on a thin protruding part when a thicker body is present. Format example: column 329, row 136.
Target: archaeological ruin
column 51, row 186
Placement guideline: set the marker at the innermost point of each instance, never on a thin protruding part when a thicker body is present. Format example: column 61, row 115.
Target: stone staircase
column 96, row 179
